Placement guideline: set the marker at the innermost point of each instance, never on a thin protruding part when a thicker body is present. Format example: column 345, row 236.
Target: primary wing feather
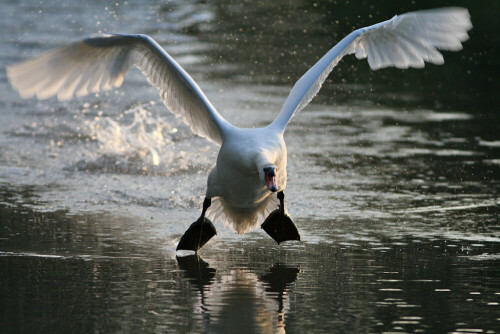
column 408, row 40
column 101, row 63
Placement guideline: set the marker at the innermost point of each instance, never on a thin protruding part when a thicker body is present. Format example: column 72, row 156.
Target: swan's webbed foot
column 279, row 225
column 199, row 233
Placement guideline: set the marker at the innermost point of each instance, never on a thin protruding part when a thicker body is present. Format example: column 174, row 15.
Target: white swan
column 251, row 164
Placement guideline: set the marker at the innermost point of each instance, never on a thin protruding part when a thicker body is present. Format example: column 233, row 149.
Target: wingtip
column 11, row 74
column 13, row 80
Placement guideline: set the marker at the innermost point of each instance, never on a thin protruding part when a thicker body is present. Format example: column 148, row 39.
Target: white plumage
column 236, row 183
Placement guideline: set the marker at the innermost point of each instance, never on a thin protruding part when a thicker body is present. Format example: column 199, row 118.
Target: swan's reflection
column 240, row 301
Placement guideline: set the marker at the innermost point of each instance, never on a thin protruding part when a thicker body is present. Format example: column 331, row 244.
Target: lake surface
column 394, row 180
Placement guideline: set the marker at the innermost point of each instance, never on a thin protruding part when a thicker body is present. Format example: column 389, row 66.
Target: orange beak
column 271, row 183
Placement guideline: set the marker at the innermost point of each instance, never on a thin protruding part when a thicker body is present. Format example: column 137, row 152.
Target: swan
column 247, row 183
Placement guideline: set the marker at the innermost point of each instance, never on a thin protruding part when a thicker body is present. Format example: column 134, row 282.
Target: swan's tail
column 238, row 219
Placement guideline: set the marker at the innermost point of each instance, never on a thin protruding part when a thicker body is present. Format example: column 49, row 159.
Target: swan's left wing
column 101, row 63
column 404, row 41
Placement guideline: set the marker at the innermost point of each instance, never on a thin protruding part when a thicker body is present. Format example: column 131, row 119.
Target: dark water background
column 394, row 179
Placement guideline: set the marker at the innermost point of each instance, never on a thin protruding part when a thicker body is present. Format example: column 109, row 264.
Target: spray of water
column 141, row 141
column 145, row 137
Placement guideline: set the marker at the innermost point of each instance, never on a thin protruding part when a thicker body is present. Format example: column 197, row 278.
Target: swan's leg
column 279, row 225
column 199, row 233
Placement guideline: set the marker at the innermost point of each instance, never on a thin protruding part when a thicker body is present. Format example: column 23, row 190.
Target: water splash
column 145, row 137
column 143, row 140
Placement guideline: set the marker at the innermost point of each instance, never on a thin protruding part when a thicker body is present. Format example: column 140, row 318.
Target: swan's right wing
column 404, row 41
column 101, row 63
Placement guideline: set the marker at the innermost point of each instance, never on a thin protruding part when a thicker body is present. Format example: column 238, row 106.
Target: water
column 393, row 181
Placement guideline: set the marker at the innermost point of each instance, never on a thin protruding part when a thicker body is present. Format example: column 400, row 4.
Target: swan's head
column 270, row 177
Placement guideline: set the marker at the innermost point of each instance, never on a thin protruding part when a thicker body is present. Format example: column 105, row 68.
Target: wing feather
column 101, row 63
column 408, row 40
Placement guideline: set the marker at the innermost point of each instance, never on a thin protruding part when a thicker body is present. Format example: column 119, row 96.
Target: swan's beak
column 271, row 182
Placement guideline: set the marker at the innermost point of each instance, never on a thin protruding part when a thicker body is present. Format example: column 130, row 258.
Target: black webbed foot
column 279, row 225
column 197, row 235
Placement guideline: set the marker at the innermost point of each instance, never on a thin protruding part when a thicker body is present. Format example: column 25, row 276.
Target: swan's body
column 237, row 177
column 251, row 165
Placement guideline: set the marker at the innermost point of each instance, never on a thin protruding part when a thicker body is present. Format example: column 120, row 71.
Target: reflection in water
column 241, row 301
column 197, row 270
